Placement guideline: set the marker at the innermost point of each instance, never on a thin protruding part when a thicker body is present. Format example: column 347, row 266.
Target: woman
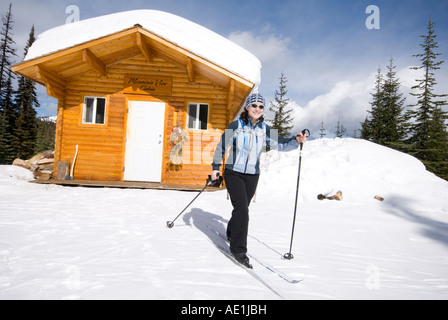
column 247, row 136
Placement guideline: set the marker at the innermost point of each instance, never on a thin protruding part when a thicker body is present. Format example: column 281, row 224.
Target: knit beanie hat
column 255, row 97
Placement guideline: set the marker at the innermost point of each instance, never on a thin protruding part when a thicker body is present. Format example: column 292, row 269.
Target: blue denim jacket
column 248, row 141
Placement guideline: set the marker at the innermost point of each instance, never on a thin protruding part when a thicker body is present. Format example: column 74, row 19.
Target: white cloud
column 328, row 91
column 333, row 94
column 347, row 101
column 407, row 76
column 273, row 51
column 309, row 72
column 47, row 107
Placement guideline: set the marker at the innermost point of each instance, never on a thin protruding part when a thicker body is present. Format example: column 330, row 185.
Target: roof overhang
column 53, row 70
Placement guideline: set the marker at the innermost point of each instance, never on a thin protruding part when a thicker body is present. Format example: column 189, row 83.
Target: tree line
column 419, row 130
column 22, row 134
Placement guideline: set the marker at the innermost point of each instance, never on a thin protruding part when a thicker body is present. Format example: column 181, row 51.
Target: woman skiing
column 247, row 136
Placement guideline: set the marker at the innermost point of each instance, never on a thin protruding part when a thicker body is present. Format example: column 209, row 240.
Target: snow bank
column 13, row 173
column 12, row 177
column 359, row 168
column 184, row 33
column 99, row 243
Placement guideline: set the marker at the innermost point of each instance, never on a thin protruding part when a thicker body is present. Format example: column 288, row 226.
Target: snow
column 49, row 119
column 184, row 33
column 98, row 243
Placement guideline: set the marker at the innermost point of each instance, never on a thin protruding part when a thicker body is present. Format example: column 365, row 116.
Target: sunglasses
column 255, row 106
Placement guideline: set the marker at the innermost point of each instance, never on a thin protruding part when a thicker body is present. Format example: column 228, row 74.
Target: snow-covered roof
column 182, row 32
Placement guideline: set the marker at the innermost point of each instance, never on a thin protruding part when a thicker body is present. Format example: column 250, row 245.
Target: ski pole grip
column 306, row 133
column 214, row 183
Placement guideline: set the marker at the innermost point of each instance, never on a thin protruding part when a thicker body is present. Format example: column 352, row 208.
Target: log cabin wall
column 101, row 153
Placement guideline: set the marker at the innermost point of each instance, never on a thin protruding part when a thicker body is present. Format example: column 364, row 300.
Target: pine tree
column 366, row 133
column 9, row 115
column 7, row 111
column 7, row 103
column 340, row 129
column 371, row 127
column 386, row 125
column 282, row 116
column 25, row 133
column 393, row 125
column 7, row 51
column 45, row 135
column 7, row 152
column 322, row 131
column 428, row 131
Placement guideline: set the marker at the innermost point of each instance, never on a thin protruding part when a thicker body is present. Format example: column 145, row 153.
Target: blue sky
column 324, row 48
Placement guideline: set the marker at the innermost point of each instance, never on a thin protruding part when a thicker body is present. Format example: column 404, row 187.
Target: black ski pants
column 241, row 188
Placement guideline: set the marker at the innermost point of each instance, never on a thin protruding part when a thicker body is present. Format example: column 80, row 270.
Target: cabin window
column 94, row 110
column 197, row 116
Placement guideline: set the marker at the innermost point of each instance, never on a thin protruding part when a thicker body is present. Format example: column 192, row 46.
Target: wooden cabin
column 124, row 90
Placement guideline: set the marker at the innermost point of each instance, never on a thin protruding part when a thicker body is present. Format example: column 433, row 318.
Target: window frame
column 197, row 119
column 94, row 110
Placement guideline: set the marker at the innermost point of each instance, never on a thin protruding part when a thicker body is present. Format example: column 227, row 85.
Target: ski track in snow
column 99, row 243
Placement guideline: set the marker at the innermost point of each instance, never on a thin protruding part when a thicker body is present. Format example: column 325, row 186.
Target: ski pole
column 210, row 182
column 289, row 255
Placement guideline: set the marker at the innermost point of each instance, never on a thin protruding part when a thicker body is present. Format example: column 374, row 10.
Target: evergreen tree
column 392, row 130
column 7, row 152
column 322, row 131
column 340, row 129
column 45, row 135
column 25, row 133
column 428, row 130
column 8, row 114
column 7, row 103
column 7, row 111
column 366, row 133
column 282, row 116
column 371, row 127
column 386, row 125
column 7, row 51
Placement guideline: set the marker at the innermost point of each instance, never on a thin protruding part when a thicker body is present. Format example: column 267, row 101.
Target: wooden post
column 58, row 138
column 230, row 97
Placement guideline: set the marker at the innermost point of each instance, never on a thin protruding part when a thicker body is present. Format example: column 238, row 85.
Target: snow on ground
column 99, row 243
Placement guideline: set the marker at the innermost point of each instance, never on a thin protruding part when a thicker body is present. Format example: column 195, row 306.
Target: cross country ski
column 262, row 263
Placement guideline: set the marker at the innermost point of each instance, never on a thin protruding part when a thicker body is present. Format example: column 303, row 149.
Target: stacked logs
column 41, row 165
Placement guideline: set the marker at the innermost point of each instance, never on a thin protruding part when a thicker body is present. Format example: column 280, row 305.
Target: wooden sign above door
column 150, row 85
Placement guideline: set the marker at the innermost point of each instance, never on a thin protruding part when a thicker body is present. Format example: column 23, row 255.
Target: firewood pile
column 41, row 165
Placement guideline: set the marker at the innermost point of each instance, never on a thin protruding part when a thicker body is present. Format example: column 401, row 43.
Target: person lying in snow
column 247, row 137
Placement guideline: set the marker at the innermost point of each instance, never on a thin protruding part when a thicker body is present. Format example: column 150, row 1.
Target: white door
column 144, row 143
